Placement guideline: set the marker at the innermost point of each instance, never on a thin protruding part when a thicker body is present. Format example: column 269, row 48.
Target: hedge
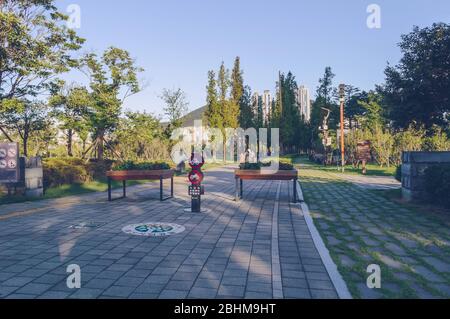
column 437, row 183
column 62, row 171
column 140, row 166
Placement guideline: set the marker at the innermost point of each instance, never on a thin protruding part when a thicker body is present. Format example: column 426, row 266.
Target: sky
column 178, row 41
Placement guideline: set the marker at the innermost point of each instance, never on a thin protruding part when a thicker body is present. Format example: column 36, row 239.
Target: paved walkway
column 232, row 250
column 361, row 228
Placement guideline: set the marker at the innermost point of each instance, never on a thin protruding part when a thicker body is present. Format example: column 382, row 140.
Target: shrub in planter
column 283, row 166
column 437, row 183
column 60, row 171
column 141, row 166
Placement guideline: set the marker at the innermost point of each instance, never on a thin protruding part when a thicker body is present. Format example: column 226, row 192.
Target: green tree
column 139, row 136
column 113, row 78
column 175, row 108
column 417, row 89
column 246, row 114
column 35, row 46
column 70, row 106
column 237, row 82
column 25, row 118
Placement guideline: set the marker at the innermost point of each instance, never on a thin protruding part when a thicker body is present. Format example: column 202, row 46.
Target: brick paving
column 361, row 227
column 225, row 252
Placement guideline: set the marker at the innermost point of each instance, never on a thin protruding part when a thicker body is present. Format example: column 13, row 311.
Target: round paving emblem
column 153, row 229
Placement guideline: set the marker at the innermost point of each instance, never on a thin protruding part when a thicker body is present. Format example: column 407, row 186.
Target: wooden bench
column 241, row 175
column 125, row 176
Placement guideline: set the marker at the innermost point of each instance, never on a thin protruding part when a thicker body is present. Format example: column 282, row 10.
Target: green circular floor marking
column 153, row 229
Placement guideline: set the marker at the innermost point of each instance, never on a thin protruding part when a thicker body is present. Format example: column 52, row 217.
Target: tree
column 237, row 82
column 139, row 136
column 35, row 46
column 24, row 117
column 70, row 106
column 175, row 108
column 246, row 114
column 325, row 89
column 113, row 78
column 374, row 112
column 417, row 89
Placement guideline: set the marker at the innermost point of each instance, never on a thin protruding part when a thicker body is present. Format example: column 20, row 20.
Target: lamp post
column 342, row 101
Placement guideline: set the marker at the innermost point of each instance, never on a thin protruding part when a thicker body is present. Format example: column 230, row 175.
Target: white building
column 304, row 102
column 266, row 105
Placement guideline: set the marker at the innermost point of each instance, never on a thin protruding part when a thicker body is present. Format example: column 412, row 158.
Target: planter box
column 124, row 176
column 243, row 174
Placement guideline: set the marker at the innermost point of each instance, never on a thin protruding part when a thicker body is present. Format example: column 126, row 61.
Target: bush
column 60, row 171
column 437, row 183
column 283, row 166
column 398, row 173
column 143, row 166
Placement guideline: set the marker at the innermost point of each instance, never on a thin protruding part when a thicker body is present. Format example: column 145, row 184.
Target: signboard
column 363, row 151
column 9, row 163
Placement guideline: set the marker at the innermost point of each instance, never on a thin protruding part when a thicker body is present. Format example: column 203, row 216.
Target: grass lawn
column 372, row 169
column 360, row 227
column 69, row 190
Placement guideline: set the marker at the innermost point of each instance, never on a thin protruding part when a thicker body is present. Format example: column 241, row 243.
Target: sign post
column 196, row 190
column 9, row 163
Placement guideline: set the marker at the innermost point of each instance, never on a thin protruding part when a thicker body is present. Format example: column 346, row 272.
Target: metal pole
column 342, row 100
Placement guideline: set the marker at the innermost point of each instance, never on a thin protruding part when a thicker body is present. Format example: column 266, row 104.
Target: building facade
column 304, row 102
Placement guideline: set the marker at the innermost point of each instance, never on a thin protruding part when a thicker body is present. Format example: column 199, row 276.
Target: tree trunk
column 100, row 146
column 69, row 142
column 25, row 146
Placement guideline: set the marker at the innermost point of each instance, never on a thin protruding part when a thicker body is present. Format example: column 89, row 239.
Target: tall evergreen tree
column 246, row 114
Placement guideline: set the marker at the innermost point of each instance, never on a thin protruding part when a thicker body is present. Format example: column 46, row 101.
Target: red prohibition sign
column 196, row 177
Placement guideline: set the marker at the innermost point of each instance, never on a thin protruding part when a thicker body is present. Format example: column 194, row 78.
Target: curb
column 336, row 278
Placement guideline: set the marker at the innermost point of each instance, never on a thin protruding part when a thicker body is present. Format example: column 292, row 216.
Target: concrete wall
column 414, row 165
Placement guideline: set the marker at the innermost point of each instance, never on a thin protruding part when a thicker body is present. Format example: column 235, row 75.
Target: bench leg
column 295, row 191
column 236, row 194
column 109, row 189
column 124, row 186
column 171, row 187
column 241, row 188
column 161, row 189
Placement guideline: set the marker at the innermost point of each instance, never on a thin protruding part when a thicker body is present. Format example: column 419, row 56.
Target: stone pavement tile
column 109, row 274
column 296, row 293
column 258, row 295
column 49, row 295
column 147, row 288
column 17, row 281
column 321, row 284
column 129, row 281
column 323, row 294
column 118, row 291
column 234, row 281
column 231, row 291
column 207, row 283
column 173, row 294
column 202, row 293
column 4, row 290
column 50, row 279
column 21, row 296
column 139, row 296
column 86, row 293
column 99, row 283
column 34, row 289
column 428, row 274
column 294, row 283
column 180, row 285
column 157, row 279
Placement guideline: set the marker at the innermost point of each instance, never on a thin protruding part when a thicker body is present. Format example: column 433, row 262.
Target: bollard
column 196, row 190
